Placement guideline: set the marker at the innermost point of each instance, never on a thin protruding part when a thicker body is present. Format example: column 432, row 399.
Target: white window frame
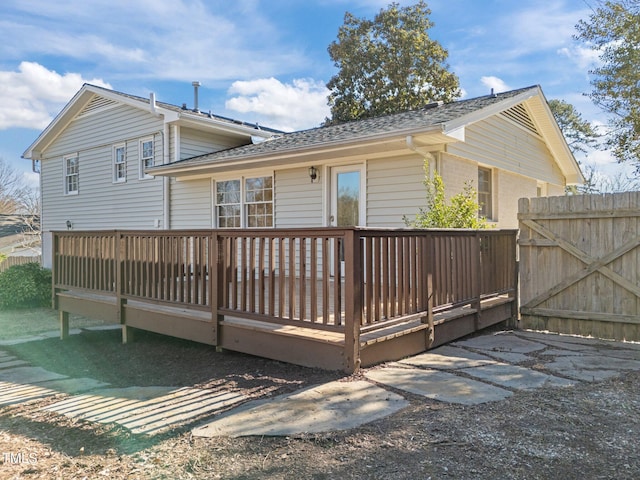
column 143, row 165
column 244, row 202
column 69, row 175
column 119, row 163
column 491, row 212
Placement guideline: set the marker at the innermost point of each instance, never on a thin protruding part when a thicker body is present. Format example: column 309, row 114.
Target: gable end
column 97, row 104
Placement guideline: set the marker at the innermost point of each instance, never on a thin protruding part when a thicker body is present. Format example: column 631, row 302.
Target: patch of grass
column 24, row 323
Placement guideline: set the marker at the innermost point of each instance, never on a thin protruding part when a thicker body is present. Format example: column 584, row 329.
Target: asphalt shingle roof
column 426, row 117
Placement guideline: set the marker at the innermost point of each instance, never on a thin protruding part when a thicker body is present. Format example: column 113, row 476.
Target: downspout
column 166, row 181
column 427, row 156
column 166, row 188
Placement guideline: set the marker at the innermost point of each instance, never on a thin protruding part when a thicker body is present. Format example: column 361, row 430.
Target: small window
column 259, row 201
column 71, row 174
column 146, row 157
column 485, row 193
column 228, row 204
column 246, row 203
column 119, row 163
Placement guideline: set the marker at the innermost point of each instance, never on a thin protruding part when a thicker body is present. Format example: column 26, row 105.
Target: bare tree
column 13, row 191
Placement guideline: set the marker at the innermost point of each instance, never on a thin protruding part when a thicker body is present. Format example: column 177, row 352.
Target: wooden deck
column 274, row 293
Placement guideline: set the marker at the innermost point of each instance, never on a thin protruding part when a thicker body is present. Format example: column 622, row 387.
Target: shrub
column 460, row 212
column 23, row 286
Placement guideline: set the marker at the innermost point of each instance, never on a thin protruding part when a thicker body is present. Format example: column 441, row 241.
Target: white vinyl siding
column 194, row 143
column 191, row 203
column 119, row 163
column 101, row 204
column 497, row 142
column 394, row 188
column 71, row 174
column 298, row 202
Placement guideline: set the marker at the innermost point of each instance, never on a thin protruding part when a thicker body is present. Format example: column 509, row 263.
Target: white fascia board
column 490, row 110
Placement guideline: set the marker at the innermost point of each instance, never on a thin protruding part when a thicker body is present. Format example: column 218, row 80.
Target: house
column 111, row 160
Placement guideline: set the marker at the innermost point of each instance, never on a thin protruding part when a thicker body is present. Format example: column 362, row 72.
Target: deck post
column 476, row 259
column 215, row 271
column 353, row 299
column 64, row 324
column 428, row 262
column 120, row 254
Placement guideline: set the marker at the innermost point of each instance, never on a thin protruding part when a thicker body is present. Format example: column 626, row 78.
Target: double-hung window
column 146, row 156
column 119, row 163
column 485, row 193
column 246, row 202
column 71, row 174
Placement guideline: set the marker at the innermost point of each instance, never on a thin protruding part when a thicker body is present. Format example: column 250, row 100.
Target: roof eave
column 436, row 131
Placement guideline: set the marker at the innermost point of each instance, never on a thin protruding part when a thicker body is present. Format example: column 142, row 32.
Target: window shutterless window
column 71, row 174
column 228, row 204
column 485, row 193
column 245, row 203
column 146, row 156
column 119, row 163
column 258, row 193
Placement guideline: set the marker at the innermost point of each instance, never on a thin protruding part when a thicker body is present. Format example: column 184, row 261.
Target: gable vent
column 519, row 115
column 97, row 103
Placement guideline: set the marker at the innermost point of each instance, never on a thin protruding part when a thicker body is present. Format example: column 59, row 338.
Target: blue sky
column 262, row 60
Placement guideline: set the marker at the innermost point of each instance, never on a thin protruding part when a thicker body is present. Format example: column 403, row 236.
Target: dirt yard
column 587, row 431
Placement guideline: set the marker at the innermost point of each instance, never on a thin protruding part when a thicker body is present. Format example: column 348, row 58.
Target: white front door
column 347, row 202
column 347, row 196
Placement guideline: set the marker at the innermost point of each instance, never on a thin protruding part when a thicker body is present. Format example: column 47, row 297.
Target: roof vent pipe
column 152, row 104
column 195, row 96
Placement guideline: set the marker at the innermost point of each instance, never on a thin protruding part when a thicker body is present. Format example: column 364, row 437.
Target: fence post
column 515, row 305
column 353, row 299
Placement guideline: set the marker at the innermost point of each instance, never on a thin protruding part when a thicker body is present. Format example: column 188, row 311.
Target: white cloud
column 287, row 106
column 583, row 57
column 31, row 96
column 160, row 39
column 495, row 83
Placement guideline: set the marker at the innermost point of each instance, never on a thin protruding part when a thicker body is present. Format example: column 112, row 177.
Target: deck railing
column 346, row 280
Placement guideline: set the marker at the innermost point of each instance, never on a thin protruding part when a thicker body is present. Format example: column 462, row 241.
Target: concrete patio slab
column 74, row 385
column 513, row 376
column 28, row 374
column 329, row 407
column 442, row 386
column 10, row 362
column 448, row 358
column 501, row 342
column 591, row 368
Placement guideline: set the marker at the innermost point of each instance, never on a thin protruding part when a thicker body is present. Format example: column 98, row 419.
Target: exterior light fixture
column 313, row 173
column 69, row 225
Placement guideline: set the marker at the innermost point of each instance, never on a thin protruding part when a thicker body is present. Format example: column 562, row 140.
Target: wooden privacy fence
column 580, row 271
column 21, row 260
column 346, row 282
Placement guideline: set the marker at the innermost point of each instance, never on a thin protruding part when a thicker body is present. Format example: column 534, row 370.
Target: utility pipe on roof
column 152, row 104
